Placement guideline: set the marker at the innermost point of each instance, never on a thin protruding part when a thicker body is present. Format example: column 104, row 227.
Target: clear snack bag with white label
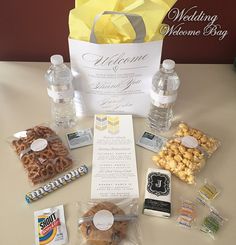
column 42, row 153
column 186, row 153
column 109, row 223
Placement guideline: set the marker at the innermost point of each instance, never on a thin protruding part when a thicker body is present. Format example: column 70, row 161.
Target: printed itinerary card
column 114, row 170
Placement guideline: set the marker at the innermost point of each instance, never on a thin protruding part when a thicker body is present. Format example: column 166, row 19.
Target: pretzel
column 19, row 146
column 34, row 173
column 35, row 178
column 43, row 131
column 33, row 168
column 58, row 148
column 44, row 173
column 28, row 159
column 50, row 169
column 44, row 164
column 45, row 154
column 30, row 136
column 62, row 163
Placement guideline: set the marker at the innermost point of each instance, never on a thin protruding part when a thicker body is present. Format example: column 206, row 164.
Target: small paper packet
column 80, row 138
column 50, row 227
column 151, row 142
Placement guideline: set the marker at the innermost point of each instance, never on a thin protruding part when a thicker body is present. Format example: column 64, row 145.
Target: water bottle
column 61, row 92
column 163, row 95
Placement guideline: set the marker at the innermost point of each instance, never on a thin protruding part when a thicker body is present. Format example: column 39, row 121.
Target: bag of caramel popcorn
column 185, row 154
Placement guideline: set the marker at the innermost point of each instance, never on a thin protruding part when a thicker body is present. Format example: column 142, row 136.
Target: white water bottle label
column 160, row 99
column 56, row 95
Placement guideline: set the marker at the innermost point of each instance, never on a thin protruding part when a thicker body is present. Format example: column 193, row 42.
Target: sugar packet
column 80, row 138
column 151, row 142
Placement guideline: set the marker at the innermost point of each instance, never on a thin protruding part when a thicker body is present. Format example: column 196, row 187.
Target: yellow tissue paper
column 113, row 28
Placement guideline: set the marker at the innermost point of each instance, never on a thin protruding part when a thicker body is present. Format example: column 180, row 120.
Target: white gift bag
column 114, row 78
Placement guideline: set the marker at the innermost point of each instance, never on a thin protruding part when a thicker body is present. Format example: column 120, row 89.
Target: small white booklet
column 114, row 170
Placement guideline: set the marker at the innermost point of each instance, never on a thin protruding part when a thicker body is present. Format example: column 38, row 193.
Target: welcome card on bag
column 114, row 78
column 114, row 170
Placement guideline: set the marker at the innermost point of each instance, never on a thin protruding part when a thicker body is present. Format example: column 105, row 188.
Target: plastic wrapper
column 187, row 214
column 185, row 154
column 207, row 192
column 116, row 29
column 42, row 153
column 213, row 223
column 109, row 223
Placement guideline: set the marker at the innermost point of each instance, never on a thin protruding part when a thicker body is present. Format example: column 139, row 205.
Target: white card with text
column 114, row 169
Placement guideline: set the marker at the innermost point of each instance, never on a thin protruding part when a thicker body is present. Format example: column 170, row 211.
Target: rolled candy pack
column 56, row 184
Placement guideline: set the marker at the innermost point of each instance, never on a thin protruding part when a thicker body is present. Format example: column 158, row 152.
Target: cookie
column 95, row 236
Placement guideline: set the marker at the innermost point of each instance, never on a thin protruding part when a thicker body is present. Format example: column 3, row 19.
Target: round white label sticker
column 38, row 144
column 103, row 220
column 189, row 141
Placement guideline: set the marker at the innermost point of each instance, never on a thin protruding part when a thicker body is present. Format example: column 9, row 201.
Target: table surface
column 206, row 100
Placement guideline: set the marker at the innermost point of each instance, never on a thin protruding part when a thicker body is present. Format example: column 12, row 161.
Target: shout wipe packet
column 50, row 227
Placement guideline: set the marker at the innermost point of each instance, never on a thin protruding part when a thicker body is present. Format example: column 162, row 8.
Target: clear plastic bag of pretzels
column 185, row 154
column 41, row 152
column 109, row 223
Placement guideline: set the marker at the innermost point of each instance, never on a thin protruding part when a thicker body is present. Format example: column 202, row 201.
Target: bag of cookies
column 109, row 223
column 42, row 153
column 185, row 154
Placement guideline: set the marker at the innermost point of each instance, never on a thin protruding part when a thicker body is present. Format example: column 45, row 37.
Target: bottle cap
column 168, row 64
column 56, row 59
